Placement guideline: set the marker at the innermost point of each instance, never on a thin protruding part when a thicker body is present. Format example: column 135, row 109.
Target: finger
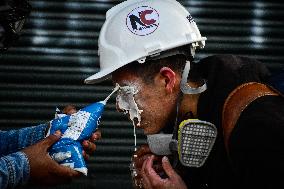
column 85, row 155
column 64, row 172
column 138, row 162
column 51, row 139
column 96, row 135
column 150, row 173
column 89, row 147
column 149, row 168
column 168, row 168
column 157, row 164
column 145, row 180
column 69, row 109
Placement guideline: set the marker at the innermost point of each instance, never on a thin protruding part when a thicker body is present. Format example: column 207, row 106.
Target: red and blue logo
column 142, row 20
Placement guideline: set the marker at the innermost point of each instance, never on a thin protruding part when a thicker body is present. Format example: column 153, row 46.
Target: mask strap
column 174, row 143
column 184, row 87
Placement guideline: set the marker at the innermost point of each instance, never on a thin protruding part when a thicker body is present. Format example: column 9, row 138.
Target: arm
column 14, row 170
column 15, row 140
column 34, row 165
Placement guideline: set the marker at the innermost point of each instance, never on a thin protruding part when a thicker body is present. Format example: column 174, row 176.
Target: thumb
column 167, row 167
column 51, row 139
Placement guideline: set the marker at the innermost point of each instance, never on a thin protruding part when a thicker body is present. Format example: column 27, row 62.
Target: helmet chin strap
column 184, row 87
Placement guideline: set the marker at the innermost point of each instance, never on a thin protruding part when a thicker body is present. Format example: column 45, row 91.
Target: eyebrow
column 122, row 84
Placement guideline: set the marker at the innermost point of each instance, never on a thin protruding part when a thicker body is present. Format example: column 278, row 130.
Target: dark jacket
column 256, row 143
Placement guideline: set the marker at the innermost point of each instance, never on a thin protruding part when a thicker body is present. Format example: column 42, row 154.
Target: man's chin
column 147, row 132
column 146, row 129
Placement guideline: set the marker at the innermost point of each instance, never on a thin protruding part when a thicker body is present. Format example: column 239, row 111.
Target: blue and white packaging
column 75, row 128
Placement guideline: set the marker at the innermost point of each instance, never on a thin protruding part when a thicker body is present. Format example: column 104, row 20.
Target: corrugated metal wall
column 58, row 50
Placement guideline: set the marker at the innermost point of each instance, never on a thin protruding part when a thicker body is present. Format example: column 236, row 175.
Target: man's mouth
column 136, row 122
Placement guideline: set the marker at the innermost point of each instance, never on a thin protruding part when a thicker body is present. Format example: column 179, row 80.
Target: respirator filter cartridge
column 195, row 141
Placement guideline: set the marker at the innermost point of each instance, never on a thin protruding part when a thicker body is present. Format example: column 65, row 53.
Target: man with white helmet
column 211, row 119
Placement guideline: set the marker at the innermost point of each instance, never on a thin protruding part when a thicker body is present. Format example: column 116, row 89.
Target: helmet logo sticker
column 189, row 18
column 142, row 20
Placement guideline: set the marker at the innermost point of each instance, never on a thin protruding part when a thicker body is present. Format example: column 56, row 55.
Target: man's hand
column 89, row 147
column 151, row 180
column 137, row 160
column 44, row 170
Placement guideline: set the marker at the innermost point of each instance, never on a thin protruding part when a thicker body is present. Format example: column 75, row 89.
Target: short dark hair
column 150, row 68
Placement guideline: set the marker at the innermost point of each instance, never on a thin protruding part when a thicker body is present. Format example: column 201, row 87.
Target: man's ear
column 169, row 78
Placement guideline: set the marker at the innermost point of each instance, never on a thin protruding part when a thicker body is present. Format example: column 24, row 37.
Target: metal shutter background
column 58, row 50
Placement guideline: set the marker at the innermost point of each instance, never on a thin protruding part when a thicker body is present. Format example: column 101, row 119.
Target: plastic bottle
column 76, row 128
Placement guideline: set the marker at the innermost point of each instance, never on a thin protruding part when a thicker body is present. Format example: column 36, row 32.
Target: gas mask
column 12, row 18
column 191, row 141
column 193, row 145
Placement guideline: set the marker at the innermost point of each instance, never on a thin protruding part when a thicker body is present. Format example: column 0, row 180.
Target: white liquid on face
column 126, row 102
column 135, row 138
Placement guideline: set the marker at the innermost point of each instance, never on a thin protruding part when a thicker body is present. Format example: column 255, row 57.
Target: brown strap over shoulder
column 237, row 101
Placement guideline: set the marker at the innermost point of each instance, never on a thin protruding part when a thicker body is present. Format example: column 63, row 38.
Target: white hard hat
column 137, row 29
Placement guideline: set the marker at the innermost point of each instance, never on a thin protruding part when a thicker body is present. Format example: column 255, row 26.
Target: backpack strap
column 237, row 101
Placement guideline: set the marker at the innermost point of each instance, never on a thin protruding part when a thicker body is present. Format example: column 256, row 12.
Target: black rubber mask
column 13, row 14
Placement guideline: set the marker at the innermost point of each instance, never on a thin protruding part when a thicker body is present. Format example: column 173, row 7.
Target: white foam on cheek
column 126, row 102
